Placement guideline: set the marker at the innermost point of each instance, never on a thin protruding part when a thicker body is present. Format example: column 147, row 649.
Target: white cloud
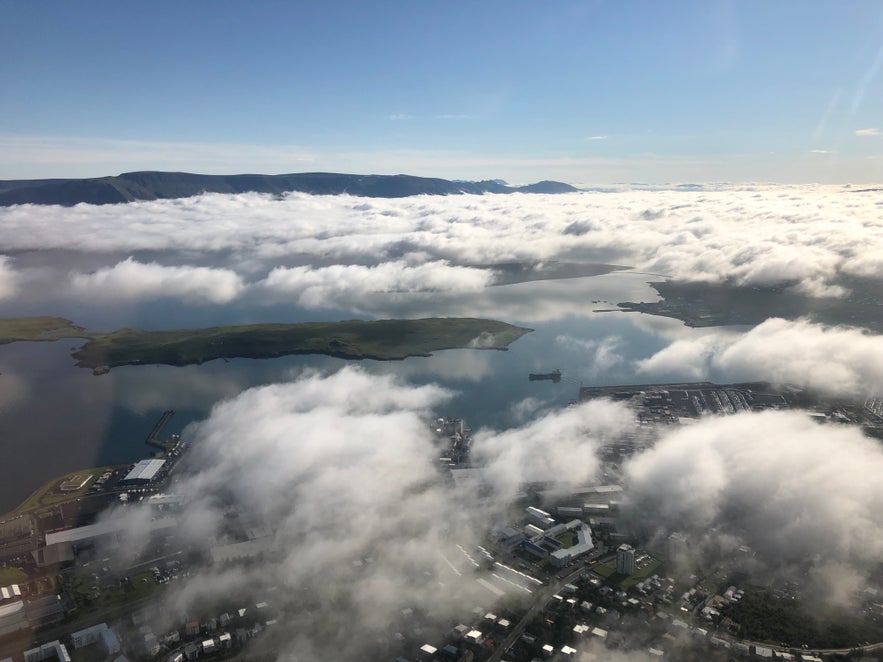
column 597, row 138
column 398, row 117
column 751, row 235
column 342, row 285
column 9, row 278
column 755, row 479
column 868, row 132
column 341, row 469
column 831, row 359
column 130, row 280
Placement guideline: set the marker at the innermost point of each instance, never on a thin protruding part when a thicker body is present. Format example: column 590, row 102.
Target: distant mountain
column 152, row 185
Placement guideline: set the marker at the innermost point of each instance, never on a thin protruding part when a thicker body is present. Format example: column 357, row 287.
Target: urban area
column 565, row 577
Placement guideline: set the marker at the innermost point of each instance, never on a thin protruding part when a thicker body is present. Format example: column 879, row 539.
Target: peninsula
column 718, row 304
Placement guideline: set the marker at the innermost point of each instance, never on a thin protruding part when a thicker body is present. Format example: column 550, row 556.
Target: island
column 382, row 340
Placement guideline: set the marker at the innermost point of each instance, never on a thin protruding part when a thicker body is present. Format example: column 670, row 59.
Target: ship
column 546, row 376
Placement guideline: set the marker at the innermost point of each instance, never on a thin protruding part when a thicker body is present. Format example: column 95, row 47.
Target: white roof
column 426, row 648
column 145, row 470
column 92, row 630
column 101, row 528
column 11, row 608
column 599, row 632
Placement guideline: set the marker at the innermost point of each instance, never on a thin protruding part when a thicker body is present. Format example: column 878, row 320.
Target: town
column 565, row 575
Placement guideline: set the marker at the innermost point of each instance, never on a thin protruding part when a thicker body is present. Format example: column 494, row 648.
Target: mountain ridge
column 163, row 185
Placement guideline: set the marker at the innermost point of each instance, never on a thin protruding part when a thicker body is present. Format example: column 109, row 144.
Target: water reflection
column 56, row 418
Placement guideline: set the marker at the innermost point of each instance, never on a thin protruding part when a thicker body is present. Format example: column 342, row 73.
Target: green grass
column 49, row 494
column 350, row 339
column 38, row 328
column 640, row 575
column 12, row 576
column 353, row 339
column 608, row 571
column 567, row 539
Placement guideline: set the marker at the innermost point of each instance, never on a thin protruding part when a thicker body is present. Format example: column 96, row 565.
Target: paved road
column 541, row 598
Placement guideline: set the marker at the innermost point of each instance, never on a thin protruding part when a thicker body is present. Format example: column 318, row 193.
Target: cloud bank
column 830, row 359
column 799, row 494
column 130, row 280
column 761, row 235
column 341, row 472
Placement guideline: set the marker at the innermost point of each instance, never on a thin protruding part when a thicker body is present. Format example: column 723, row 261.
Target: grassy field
column 38, row 328
column 608, row 571
column 11, row 576
column 49, row 495
column 352, row 339
column 641, row 574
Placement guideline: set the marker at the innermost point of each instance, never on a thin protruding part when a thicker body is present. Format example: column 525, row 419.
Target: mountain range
column 155, row 185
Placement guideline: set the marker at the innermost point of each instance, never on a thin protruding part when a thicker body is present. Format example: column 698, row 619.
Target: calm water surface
column 56, row 418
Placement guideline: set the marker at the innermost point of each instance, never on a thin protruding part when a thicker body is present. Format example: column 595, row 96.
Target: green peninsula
column 719, row 304
column 13, row 329
column 382, row 340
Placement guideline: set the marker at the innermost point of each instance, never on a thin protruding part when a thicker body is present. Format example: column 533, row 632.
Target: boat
column 546, row 376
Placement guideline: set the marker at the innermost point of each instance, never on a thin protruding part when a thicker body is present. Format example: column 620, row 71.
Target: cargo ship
column 546, row 376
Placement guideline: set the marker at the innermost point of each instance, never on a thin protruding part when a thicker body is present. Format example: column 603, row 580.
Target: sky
column 585, row 92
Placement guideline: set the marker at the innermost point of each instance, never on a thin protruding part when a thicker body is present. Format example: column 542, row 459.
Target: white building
column 54, row 649
column 12, row 618
column 143, row 472
column 584, row 544
column 539, row 517
column 625, row 560
column 88, row 636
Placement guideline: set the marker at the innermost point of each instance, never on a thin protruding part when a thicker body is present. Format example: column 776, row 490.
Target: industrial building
column 12, row 618
column 625, row 560
column 539, row 517
column 62, row 546
column 143, row 472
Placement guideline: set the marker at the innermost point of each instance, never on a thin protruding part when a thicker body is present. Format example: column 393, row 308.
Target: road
column 541, row 598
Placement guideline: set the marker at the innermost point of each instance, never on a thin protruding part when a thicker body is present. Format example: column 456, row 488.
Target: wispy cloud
column 452, row 116
column 868, row 132
column 821, row 151
column 398, row 117
column 597, row 138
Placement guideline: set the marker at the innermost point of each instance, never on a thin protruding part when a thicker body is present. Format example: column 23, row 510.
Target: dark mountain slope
column 153, row 185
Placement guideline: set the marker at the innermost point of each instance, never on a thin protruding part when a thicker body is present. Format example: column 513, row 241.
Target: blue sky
column 587, row 92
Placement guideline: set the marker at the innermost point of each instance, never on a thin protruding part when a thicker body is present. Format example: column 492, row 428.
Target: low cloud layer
column 801, row 495
column 831, row 359
column 130, row 280
column 346, row 285
column 342, row 470
column 806, row 236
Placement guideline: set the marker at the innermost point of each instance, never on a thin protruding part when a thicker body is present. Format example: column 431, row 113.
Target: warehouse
column 143, row 472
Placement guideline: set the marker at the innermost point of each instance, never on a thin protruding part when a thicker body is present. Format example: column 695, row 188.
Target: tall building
column 625, row 560
column 677, row 547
